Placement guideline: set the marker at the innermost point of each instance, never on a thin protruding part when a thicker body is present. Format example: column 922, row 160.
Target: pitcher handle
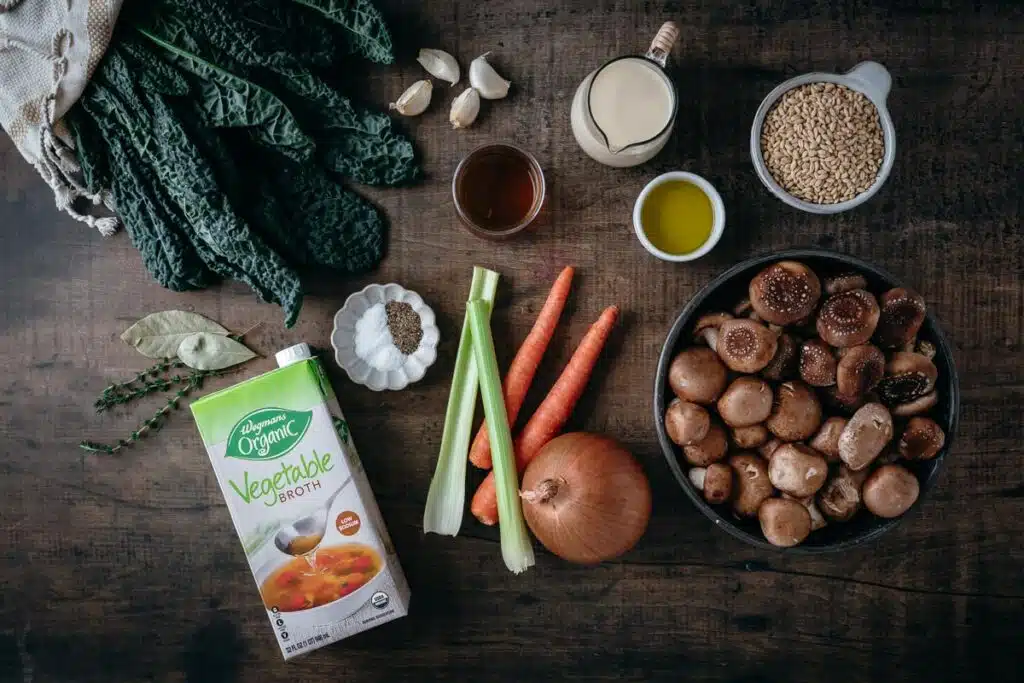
column 874, row 78
column 661, row 46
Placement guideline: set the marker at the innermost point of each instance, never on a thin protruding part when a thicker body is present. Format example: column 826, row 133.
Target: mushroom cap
column 797, row 469
column 746, row 346
column 890, row 491
column 908, row 376
column 711, row 448
column 768, row 448
column 750, row 483
column 826, row 441
column 706, row 329
column 844, row 282
column 865, row 436
column 718, row 483
column 839, row 499
column 902, row 313
column 743, row 308
column 783, row 364
column 817, row 364
column 839, row 402
column 796, row 412
column 686, row 422
column 747, row 401
column 817, row 519
column 784, row 522
column 752, row 436
column 917, row 406
column 859, row 370
column 784, row 292
column 922, row 439
column 697, row 375
column 848, row 318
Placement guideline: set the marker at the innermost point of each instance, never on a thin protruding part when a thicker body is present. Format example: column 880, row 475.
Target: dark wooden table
column 127, row 568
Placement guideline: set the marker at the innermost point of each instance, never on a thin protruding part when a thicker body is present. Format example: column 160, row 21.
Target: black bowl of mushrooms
column 805, row 400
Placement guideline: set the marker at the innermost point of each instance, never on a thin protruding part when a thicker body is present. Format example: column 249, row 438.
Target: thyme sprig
column 150, row 380
column 200, row 345
column 193, row 381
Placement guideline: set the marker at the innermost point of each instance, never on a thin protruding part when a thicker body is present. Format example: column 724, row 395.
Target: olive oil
column 677, row 217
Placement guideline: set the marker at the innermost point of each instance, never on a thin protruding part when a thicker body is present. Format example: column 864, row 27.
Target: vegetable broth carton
column 302, row 505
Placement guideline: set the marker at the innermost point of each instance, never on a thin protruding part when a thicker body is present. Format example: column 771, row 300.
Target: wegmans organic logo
column 268, row 433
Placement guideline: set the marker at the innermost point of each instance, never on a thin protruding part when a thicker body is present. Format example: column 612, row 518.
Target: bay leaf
column 159, row 335
column 206, row 351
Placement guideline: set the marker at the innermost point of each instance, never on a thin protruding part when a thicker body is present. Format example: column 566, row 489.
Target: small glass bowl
column 536, row 176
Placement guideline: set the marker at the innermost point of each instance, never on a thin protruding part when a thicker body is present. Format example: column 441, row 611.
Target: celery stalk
column 516, row 548
column 446, row 498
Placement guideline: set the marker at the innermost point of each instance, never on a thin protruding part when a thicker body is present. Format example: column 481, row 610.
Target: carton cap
column 293, row 354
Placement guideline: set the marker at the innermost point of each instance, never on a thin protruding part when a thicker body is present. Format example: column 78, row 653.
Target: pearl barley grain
column 823, row 143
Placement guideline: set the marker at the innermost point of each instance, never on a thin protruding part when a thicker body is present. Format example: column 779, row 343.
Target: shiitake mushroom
column 826, row 441
column 784, row 522
column 686, row 423
column 836, row 366
column 697, row 375
column 890, row 491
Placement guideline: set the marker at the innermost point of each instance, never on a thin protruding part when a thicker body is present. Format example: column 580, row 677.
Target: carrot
column 524, row 365
column 552, row 413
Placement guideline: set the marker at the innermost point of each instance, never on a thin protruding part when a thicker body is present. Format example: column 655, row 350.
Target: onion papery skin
column 586, row 498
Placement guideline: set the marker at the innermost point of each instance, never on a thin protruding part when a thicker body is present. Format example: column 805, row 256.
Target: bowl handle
column 873, row 78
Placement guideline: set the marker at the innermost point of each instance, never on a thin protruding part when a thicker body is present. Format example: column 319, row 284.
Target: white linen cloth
column 48, row 51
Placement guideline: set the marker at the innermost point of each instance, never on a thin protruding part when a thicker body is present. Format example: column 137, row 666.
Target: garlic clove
column 415, row 100
column 439, row 64
column 486, row 80
column 465, row 108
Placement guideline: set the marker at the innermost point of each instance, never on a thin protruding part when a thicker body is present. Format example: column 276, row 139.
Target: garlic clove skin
column 440, row 65
column 415, row 100
column 465, row 108
column 486, row 80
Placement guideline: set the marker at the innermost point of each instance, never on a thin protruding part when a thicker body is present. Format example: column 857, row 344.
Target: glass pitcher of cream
column 623, row 112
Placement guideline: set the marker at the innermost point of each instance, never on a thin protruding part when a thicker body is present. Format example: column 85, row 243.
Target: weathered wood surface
column 127, row 568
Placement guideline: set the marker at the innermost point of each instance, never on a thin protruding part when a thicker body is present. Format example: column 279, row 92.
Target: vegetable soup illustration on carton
column 301, row 504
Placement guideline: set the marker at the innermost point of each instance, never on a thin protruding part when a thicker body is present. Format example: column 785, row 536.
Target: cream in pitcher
column 622, row 113
column 302, row 505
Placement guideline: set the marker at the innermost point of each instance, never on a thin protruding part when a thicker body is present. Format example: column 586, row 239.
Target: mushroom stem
column 710, row 336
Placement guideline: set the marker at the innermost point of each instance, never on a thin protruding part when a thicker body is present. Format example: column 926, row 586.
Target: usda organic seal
column 380, row 600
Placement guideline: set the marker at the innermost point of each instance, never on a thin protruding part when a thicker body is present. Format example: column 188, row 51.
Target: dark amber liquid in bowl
column 498, row 188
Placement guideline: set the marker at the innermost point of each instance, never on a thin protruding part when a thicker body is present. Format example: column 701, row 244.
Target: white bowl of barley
column 814, row 162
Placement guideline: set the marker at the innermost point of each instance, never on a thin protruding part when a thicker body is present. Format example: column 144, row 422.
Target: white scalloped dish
column 343, row 339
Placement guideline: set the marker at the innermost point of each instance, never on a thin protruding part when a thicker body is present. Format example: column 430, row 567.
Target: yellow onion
column 585, row 498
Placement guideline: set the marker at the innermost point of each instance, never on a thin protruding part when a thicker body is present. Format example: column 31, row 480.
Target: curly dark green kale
column 359, row 144
column 365, row 32
column 229, row 100
column 209, row 123
column 151, row 72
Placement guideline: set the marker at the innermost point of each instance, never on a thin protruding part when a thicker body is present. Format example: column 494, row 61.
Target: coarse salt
column 373, row 340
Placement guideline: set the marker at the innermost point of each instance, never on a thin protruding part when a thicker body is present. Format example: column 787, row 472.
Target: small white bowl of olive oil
column 679, row 216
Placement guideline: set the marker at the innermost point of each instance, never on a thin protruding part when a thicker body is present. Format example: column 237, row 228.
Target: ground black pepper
column 404, row 325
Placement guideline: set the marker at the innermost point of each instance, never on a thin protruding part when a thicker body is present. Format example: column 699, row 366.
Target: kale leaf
column 367, row 34
column 219, row 140
column 152, row 222
column 151, row 72
column 359, row 144
column 229, row 100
